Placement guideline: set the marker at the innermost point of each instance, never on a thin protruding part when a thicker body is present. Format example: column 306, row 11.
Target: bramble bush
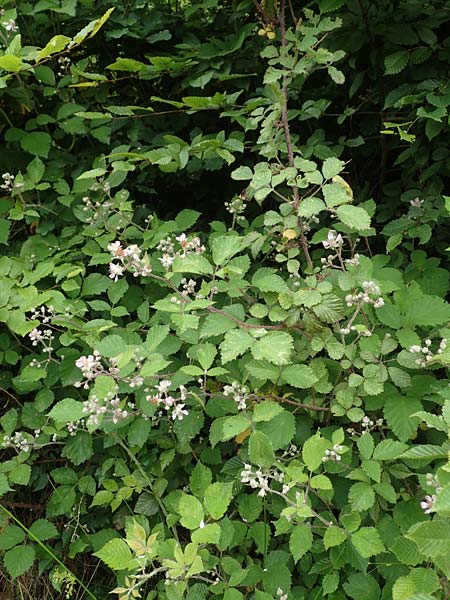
column 224, row 342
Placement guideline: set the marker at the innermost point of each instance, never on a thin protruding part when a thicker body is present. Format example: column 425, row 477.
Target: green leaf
column 398, row 411
column 354, row 217
column 300, row 541
column 395, row 63
column 365, row 445
column 225, row 428
column 11, row 536
column 235, row 343
column 299, row 376
column 260, row 449
column 19, row 560
column 427, row 311
column 314, row 450
column 432, row 538
column 242, row 174
column 37, row 143
column 389, row 450
column 56, row 44
column 67, row 410
column 361, row 496
column 111, row 346
column 43, row 530
column 192, row 263
column 11, row 63
column 332, row 166
column 217, row 498
column 191, row 511
column 275, row 347
column 225, row 247
column 127, row 64
column 362, row 585
column 427, row 452
column 334, row 536
column 367, row 542
column 115, row 554
column 266, row 411
column 267, row 281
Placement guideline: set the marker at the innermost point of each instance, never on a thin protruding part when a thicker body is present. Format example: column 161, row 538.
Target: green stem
column 48, row 550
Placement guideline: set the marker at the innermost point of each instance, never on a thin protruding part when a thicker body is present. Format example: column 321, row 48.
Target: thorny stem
column 287, row 135
column 297, row 404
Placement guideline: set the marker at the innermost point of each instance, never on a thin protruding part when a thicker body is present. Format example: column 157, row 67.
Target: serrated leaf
column 266, row 411
column 354, row 217
column 235, row 343
column 260, row 449
column 300, row 541
column 334, row 536
column 427, row 311
column 267, row 281
column 225, row 247
column 67, row 410
column 361, row 496
column 432, row 538
column 398, row 411
column 299, row 376
column 192, row 263
column 389, row 450
column 217, row 498
column 367, row 542
column 43, row 529
column 19, row 560
column 11, row 536
column 275, row 347
column 191, row 511
column 314, row 450
column 115, row 554
column 395, row 63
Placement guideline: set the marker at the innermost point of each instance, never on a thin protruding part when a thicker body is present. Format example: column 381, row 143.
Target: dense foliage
column 223, row 270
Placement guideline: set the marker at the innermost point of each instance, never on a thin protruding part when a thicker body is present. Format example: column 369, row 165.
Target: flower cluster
column 20, row 441
column 130, row 258
column 185, row 247
column 95, row 408
column 369, row 289
column 239, row 393
column 281, row 595
column 236, row 207
column 167, row 402
column 426, row 351
column 9, row 183
column 367, row 425
column 334, row 454
column 64, row 64
column 261, row 479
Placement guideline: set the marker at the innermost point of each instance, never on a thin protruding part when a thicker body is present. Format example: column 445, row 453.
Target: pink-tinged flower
column 133, row 251
column 35, row 336
column 115, row 271
column 428, row 503
column 116, row 249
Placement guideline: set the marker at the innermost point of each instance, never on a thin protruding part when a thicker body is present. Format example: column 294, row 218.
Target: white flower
column 115, row 271
column 166, row 260
column 333, row 240
column 415, row 349
column 417, row 202
column 10, row 25
column 179, row 412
